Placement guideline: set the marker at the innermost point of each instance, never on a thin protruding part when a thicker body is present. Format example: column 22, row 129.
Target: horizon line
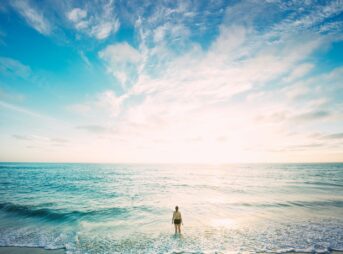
column 173, row 163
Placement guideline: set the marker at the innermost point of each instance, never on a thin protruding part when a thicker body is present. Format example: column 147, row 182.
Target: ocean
column 119, row 208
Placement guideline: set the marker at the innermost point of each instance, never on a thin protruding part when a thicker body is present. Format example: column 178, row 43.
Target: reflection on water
column 93, row 208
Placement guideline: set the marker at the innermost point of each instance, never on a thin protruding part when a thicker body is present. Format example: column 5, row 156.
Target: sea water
column 238, row 208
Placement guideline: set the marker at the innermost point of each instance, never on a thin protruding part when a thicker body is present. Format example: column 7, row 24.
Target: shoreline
column 29, row 250
column 36, row 250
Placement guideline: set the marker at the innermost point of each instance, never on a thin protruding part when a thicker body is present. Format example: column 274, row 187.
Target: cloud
column 338, row 135
column 296, row 91
column 32, row 16
column 106, row 102
column 273, row 117
column 9, row 95
column 192, row 91
column 21, row 137
column 98, row 21
column 85, row 59
column 21, row 110
column 169, row 32
column 312, row 116
column 41, row 140
column 10, row 66
column 299, row 147
column 236, row 97
column 122, row 61
column 121, row 52
column 78, row 16
column 94, row 128
column 221, row 73
column 299, row 72
column 59, row 140
column 80, row 108
column 103, row 30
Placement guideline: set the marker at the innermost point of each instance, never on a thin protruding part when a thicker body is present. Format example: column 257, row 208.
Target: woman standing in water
column 177, row 220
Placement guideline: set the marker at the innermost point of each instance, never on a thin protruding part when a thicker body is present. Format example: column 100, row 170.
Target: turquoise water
column 100, row 208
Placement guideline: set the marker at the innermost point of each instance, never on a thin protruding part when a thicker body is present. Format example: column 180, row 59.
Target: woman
column 177, row 220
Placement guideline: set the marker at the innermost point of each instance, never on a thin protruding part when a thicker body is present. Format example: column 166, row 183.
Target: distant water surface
column 242, row 208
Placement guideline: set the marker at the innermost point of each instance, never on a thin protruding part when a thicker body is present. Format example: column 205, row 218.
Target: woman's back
column 177, row 215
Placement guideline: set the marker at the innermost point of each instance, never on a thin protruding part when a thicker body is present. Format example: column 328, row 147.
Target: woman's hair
column 176, row 208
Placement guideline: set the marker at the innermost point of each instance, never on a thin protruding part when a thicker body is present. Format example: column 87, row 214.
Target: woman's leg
column 179, row 227
column 175, row 228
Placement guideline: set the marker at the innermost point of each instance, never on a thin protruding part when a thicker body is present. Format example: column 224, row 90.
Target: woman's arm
column 173, row 217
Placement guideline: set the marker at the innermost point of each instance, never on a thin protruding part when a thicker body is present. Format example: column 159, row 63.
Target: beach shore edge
column 29, row 250
column 34, row 250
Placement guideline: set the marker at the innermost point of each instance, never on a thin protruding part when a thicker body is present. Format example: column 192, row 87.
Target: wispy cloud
column 21, row 137
column 106, row 102
column 98, row 20
column 299, row 72
column 32, row 16
column 80, row 108
column 10, row 66
column 37, row 140
column 192, row 93
column 338, row 135
column 20, row 109
column 78, row 16
column 311, row 116
column 26, row 111
column 8, row 95
column 122, row 61
column 85, row 59
column 99, row 129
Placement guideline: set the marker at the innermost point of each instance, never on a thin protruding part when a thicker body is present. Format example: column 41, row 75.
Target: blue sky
column 171, row 81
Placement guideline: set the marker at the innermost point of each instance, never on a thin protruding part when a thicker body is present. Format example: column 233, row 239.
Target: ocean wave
column 61, row 215
column 57, row 215
column 306, row 204
column 324, row 183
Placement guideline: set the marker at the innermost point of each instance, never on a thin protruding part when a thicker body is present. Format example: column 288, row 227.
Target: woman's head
column 176, row 208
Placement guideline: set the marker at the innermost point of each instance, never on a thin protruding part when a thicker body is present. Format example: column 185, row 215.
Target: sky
column 171, row 81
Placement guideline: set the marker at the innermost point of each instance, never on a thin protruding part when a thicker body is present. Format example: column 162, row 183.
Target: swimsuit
column 177, row 221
